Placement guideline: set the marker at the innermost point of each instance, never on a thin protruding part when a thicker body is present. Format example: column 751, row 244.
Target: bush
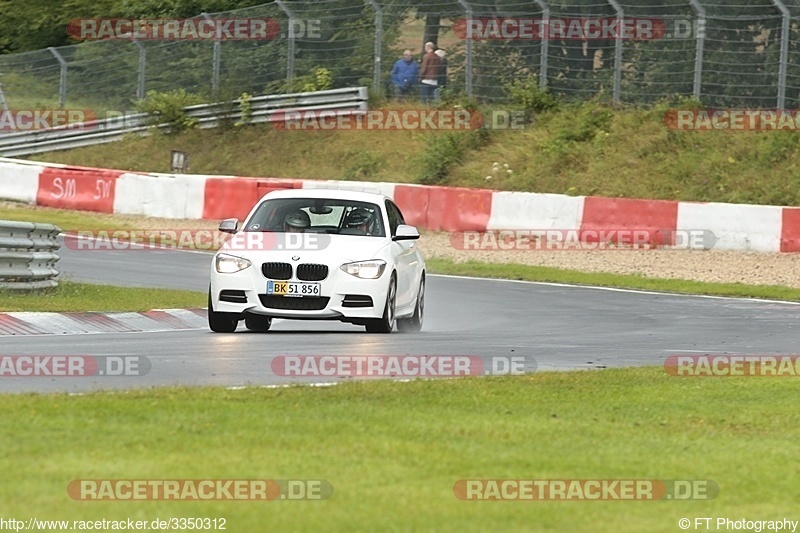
column 360, row 165
column 246, row 108
column 169, row 109
column 582, row 123
column 446, row 150
column 526, row 93
column 320, row 80
column 456, row 99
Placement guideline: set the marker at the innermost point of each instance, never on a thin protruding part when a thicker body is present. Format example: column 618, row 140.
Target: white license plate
column 293, row 288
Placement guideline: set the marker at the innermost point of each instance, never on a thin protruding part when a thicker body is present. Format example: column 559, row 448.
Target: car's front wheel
column 414, row 324
column 259, row 324
column 385, row 324
column 221, row 322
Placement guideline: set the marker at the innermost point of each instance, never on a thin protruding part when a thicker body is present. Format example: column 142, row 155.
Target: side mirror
column 406, row 233
column 229, row 225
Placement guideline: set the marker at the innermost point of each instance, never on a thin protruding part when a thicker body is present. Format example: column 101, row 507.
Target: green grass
column 627, row 281
column 260, row 151
column 584, row 149
column 72, row 296
column 65, row 219
column 393, row 451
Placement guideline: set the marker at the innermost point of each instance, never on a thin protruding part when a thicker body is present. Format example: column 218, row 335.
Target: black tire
column 414, row 324
column 221, row 322
column 385, row 324
column 259, row 324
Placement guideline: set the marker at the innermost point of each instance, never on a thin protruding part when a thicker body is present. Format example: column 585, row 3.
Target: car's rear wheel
column 259, row 324
column 385, row 324
column 221, row 322
column 414, row 324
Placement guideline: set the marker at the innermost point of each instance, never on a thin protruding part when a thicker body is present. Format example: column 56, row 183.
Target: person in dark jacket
column 405, row 74
column 442, row 73
column 428, row 74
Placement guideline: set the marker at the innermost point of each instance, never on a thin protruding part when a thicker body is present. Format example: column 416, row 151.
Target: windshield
column 317, row 215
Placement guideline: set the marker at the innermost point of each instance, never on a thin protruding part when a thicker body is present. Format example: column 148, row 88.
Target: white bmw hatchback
column 319, row 254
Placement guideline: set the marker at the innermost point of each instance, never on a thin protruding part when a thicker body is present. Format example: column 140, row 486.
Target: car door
column 405, row 254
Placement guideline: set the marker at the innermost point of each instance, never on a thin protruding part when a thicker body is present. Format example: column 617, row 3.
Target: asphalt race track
column 552, row 326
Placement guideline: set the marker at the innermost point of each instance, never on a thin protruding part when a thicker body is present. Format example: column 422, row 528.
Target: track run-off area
column 542, row 326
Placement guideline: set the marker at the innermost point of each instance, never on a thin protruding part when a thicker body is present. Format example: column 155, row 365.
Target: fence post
column 545, row 36
column 784, row 52
column 378, row 40
column 62, row 87
column 468, row 11
column 142, row 66
column 698, row 54
column 3, row 103
column 290, row 53
column 618, row 50
column 217, row 57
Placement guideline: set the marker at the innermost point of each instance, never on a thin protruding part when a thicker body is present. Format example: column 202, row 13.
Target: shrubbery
column 168, row 109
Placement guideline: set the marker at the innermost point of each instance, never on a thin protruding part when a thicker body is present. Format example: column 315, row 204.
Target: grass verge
column 393, row 451
column 72, row 296
column 69, row 220
column 625, row 281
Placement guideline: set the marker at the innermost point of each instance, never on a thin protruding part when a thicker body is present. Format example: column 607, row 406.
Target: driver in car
column 360, row 219
column 296, row 222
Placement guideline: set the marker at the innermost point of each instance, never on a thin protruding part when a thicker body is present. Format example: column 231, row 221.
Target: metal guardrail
column 263, row 109
column 28, row 255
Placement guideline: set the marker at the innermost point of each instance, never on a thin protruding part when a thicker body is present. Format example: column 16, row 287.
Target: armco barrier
column 87, row 189
column 28, row 255
column 266, row 108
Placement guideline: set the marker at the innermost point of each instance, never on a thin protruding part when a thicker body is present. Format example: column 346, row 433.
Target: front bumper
column 253, row 284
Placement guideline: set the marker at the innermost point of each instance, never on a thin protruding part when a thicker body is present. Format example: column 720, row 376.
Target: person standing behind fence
column 405, row 73
column 442, row 73
column 428, row 73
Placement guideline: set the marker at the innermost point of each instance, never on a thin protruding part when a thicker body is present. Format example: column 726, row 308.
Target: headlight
column 228, row 264
column 365, row 269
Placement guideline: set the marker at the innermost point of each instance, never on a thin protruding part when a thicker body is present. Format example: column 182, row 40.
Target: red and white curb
column 760, row 228
column 76, row 323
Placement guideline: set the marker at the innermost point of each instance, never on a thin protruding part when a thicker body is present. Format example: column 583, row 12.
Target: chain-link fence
column 741, row 54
